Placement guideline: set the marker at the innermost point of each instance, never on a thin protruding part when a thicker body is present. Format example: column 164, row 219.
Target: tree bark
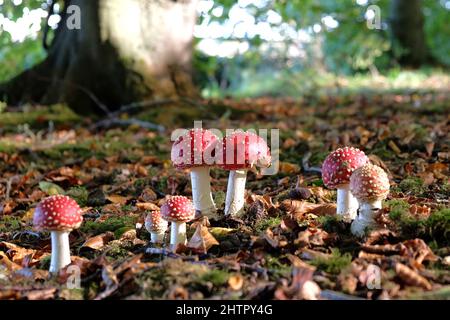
column 407, row 23
column 125, row 51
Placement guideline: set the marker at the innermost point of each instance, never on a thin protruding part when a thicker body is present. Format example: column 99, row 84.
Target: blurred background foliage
column 265, row 47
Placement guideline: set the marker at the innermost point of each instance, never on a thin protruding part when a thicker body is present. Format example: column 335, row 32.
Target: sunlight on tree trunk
column 125, row 51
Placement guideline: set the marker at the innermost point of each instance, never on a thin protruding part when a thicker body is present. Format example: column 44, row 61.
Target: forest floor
column 289, row 233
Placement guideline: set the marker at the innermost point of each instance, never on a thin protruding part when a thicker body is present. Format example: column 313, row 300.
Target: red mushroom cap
column 57, row 213
column 369, row 183
column 194, row 149
column 154, row 222
column 339, row 165
column 178, row 209
column 243, row 150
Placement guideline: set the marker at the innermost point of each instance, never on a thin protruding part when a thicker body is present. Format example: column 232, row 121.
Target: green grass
column 310, row 82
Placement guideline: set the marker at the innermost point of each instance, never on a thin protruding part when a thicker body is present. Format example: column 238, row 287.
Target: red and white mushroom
column 58, row 214
column 241, row 152
column 178, row 210
column 370, row 185
column 195, row 151
column 156, row 226
column 336, row 171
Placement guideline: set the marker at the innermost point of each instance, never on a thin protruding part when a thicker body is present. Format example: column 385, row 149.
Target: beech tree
column 108, row 53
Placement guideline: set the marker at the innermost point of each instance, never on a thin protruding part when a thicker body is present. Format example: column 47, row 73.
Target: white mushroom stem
column 366, row 217
column 347, row 204
column 156, row 237
column 177, row 233
column 60, row 251
column 201, row 192
column 234, row 201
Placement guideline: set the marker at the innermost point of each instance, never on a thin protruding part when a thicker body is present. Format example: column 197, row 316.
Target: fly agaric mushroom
column 370, row 185
column 178, row 210
column 156, row 225
column 58, row 214
column 336, row 171
column 194, row 150
column 241, row 152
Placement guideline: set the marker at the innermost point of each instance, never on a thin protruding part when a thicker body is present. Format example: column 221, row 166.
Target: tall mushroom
column 336, row 171
column 370, row 185
column 241, row 152
column 178, row 210
column 195, row 150
column 58, row 214
column 156, row 226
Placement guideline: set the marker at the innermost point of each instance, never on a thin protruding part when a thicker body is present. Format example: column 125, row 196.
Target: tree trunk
column 125, row 51
column 407, row 23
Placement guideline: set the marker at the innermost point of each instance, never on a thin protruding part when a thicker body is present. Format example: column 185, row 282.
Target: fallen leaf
column 202, row 240
column 99, row 241
column 411, row 277
column 50, row 188
column 236, row 282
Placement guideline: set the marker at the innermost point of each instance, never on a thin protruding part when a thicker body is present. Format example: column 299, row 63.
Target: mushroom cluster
column 238, row 152
column 361, row 187
column 336, row 171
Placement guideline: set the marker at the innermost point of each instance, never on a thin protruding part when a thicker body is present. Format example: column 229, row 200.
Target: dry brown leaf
column 202, row 240
column 298, row 208
column 312, row 236
column 116, row 199
column 288, row 168
column 236, row 282
column 148, row 206
column 99, row 241
column 411, row 277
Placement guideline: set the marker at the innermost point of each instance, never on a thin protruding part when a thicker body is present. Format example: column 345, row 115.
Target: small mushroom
column 58, row 214
column 156, row 226
column 370, row 185
column 336, row 171
column 178, row 210
column 241, row 152
column 194, row 150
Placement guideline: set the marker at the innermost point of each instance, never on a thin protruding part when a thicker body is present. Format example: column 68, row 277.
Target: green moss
column 277, row 267
column 112, row 224
column 44, row 264
column 10, row 223
column 39, row 117
column 271, row 222
column 412, row 185
column 216, row 277
column 397, row 208
column 116, row 251
column 434, row 228
column 80, row 194
column 333, row 224
column 333, row 264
